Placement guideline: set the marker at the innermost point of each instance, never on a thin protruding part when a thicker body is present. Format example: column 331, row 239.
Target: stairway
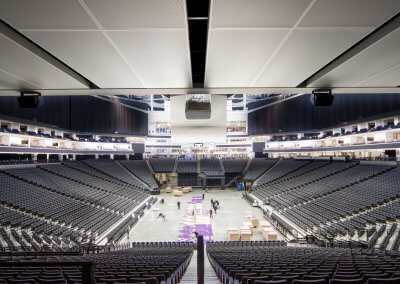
column 209, row 274
column 190, row 276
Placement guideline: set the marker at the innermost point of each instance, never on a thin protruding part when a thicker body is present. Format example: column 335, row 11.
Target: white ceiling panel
column 256, row 13
column 91, row 54
column 376, row 59
column 8, row 81
column 236, row 56
column 388, row 78
column 305, row 52
column 23, row 64
column 350, row 13
column 45, row 14
column 127, row 14
column 161, row 57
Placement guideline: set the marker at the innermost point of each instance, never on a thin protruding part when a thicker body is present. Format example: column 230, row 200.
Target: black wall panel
column 81, row 113
column 258, row 146
column 300, row 115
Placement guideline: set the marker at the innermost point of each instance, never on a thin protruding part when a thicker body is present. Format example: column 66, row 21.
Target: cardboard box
column 233, row 234
column 249, row 225
column 265, row 224
column 245, row 233
column 177, row 192
column 269, row 234
column 255, row 221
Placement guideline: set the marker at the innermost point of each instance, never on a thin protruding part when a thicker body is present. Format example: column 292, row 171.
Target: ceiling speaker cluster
column 198, row 107
column 322, row 97
column 30, row 99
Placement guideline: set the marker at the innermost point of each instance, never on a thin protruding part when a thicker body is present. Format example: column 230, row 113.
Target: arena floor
column 233, row 209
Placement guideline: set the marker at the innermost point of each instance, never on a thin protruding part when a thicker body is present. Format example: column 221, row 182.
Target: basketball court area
column 232, row 212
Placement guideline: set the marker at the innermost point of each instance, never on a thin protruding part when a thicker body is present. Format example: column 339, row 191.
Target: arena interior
column 200, row 141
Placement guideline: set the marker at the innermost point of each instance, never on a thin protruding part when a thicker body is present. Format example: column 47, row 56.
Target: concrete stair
column 209, row 274
column 190, row 276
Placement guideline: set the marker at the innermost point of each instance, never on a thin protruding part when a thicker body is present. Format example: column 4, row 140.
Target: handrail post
column 200, row 260
column 87, row 273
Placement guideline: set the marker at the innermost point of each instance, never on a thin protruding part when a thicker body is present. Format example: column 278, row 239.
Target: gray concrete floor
column 231, row 214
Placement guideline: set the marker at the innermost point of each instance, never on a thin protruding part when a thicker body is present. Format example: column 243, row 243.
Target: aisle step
column 190, row 276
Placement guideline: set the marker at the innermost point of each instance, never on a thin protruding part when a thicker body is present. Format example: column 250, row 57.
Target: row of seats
column 348, row 201
column 58, row 207
column 234, row 165
column 316, row 183
column 150, row 265
column 257, row 167
column 31, row 226
column 141, row 170
column 112, row 168
column 41, row 202
column 282, row 168
column 73, row 189
column 211, row 167
column 309, row 173
column 357, row 223
column 263, row 263
column 185, row 166
column 84, row 174
column 162, row 165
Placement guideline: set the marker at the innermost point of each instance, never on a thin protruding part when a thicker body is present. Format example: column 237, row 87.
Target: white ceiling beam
column 215, row 91
column 20, row 39
column 388, row 27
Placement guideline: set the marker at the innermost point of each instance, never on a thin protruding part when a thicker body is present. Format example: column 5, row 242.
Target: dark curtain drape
column 80, row 113
column 300, row 115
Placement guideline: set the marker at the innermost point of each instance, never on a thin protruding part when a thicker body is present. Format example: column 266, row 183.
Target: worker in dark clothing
column 212, row 202
column 211, row 214
column 162, row 201
column 217, row 204
column 162, row 216
column 179, row 205
column 202, row 197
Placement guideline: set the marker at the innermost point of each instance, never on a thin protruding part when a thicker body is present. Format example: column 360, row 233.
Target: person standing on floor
column 202, row 197
column 212, row 202
column 211, row 214
column 179, row 205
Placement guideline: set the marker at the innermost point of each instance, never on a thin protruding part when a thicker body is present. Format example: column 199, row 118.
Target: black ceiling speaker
column 30, row 99
column 322, row 97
